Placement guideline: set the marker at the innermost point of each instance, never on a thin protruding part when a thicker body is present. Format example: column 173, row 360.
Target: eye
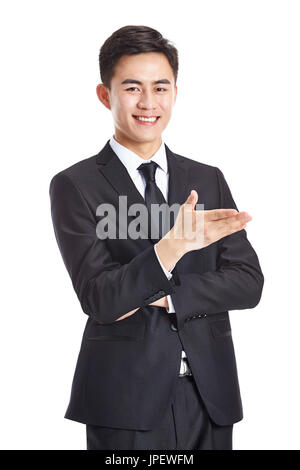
column 131, row 88
column 159, row 88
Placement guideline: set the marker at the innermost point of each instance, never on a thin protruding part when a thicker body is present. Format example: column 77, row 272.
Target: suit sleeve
column 105, row 288
column 237, row 282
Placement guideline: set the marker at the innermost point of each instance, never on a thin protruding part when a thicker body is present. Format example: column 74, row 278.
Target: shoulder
column 81, row 171
column 198, row 167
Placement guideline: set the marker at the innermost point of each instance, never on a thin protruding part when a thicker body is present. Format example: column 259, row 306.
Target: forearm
column 169, row 251
column 236, row 284
column 163, row 302
column 127, row 314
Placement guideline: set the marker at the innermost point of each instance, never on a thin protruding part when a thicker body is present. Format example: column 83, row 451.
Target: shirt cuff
column 171, row 308
column 167, row 273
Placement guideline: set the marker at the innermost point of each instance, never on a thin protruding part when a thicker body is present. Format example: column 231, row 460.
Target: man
column 156, row 367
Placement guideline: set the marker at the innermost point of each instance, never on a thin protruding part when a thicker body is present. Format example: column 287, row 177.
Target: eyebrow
column 132, row 80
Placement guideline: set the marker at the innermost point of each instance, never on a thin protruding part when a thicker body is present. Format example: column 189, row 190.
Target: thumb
column 192, row 198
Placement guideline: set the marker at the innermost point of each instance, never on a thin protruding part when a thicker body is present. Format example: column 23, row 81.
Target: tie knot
column 148, row 170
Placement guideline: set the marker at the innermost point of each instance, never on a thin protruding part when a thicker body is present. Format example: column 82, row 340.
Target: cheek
column 166, row 104
column 125, row 107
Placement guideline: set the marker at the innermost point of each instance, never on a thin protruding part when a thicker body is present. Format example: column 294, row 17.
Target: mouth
column 146, row 120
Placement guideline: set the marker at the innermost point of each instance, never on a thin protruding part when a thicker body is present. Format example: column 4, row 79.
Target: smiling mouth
column 146, row 120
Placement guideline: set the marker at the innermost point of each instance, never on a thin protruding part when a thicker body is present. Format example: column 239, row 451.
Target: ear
column 175, row 93
column 103, row 95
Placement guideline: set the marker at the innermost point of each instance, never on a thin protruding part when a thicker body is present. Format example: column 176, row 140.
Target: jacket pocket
column 133, row 331
column 220, row 328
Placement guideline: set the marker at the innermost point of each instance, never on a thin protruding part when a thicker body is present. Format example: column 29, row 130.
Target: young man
column 156, row 367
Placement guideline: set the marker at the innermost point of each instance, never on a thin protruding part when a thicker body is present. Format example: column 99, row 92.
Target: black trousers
column 185, row 425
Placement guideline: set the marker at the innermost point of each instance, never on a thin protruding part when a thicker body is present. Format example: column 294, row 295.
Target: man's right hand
column 212, row 226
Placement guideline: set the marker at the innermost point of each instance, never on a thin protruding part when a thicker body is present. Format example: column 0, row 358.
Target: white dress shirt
column 132, row 161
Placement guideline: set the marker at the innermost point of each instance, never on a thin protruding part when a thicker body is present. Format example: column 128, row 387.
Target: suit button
column 173, row 327
column 161, row 292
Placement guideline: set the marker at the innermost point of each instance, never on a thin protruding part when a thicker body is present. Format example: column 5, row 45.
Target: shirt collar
column 132, row 161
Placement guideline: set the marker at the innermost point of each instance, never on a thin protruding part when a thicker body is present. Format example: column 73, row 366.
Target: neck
column 145, row 150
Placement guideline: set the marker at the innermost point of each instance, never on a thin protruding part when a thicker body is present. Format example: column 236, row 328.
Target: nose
column 147, row 101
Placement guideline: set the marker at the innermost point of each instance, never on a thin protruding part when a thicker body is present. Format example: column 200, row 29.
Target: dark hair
column 130, row 40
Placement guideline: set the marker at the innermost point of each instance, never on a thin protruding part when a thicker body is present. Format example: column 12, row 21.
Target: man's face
column 146, row 98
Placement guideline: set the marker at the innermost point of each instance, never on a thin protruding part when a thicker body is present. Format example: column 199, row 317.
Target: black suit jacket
column 126, row 370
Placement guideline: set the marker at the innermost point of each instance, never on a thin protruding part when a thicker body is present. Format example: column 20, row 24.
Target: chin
column 145, row 139
column 144, row 135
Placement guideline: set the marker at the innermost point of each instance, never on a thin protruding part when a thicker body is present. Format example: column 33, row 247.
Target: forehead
column 144, row 67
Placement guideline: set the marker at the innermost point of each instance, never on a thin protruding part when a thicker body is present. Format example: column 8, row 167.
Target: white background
column 237, row 109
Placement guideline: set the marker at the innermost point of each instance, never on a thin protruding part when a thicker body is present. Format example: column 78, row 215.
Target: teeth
column 140, row 118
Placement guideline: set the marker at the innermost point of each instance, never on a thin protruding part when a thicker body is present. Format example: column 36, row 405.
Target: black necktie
column 153, row 194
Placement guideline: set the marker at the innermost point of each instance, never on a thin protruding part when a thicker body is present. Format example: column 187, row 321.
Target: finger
column 192, row 198
column 233, row 224
column 217, row 214
column 243, row 217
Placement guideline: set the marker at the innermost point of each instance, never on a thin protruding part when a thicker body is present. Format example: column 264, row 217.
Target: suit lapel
column 178, row 178
column 110, row 166
column 116, row 174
